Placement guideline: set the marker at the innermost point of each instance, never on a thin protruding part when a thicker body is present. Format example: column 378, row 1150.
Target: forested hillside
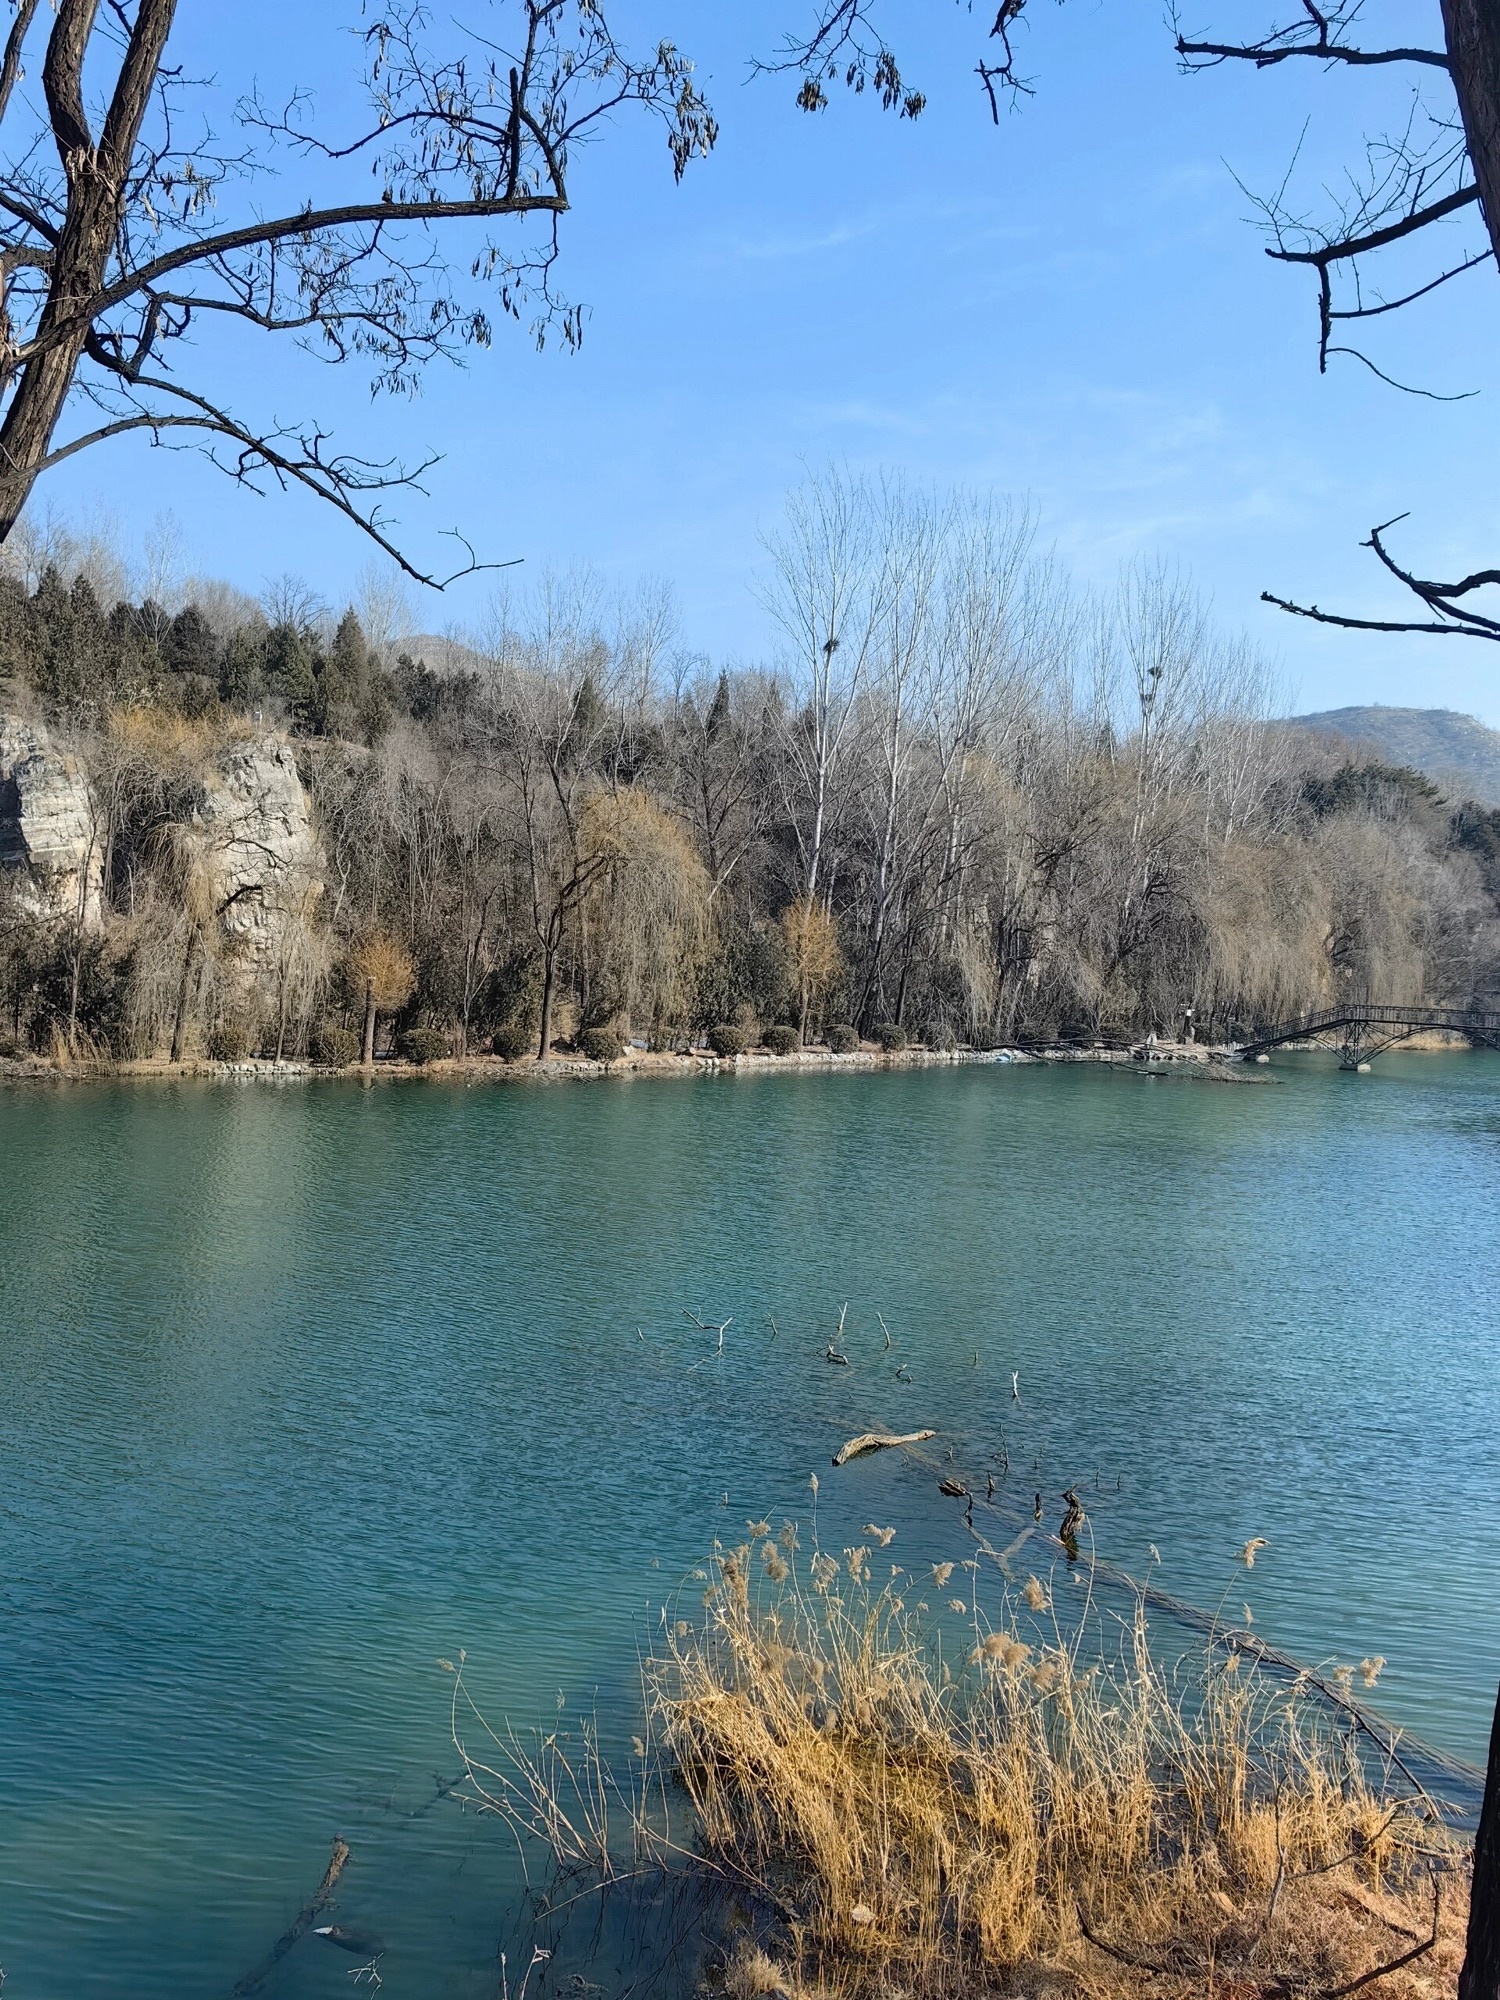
column 960, row 797
column 1458, row 752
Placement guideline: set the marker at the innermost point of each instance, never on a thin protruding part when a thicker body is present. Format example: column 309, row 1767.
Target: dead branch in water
column 877, row 1441
column 300, row 1924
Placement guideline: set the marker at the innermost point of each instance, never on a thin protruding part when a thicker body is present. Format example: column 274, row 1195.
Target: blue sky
column 1070, row 307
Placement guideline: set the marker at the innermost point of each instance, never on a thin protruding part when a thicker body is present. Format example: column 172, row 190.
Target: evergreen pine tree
column 291, row 671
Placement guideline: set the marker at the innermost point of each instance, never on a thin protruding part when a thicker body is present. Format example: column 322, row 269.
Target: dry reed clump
column 904, row 1817
column 1028, row 1823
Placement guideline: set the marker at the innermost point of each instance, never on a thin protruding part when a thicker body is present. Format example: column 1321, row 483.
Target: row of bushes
column 728, row 1040
column 330, row 1044
column 334, row 1046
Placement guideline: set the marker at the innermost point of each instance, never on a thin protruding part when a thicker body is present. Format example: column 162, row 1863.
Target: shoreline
column 1222, row 1060
column 488, row 1069
column 635, row 1063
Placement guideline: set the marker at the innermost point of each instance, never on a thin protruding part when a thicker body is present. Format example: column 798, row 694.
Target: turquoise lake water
column 304, row 1387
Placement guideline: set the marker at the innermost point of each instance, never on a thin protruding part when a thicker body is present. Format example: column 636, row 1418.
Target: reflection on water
column 304, row 1389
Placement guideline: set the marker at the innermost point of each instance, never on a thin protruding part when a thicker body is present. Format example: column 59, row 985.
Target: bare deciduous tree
column 829, row 592
column 121, row 257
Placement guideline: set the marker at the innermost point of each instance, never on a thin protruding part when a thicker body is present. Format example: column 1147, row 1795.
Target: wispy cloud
column 786, row 247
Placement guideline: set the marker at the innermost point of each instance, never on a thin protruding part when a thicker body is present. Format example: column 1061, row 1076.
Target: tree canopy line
column 402, row 227
column 962, row 802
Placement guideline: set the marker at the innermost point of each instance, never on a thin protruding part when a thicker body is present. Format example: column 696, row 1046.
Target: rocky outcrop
column 261, row 854
column 259, row 863
column 50, row 850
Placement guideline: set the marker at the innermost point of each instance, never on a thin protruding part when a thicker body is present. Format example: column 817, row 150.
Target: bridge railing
column 1380, row 1014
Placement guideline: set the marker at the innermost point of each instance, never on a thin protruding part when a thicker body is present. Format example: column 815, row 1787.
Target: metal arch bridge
column 1367, row 1029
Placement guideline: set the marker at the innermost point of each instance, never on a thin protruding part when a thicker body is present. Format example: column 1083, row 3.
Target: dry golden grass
column 1010, row 1820
column 166, row 740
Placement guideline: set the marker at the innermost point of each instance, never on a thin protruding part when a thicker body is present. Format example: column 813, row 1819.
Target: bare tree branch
column 92, row 234
column 1345, row 247
column 1450, row 617
column 10, row 63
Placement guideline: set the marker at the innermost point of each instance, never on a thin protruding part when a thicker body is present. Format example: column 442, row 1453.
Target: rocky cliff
column 261, row 853
column 250, row 828
column 49, row 841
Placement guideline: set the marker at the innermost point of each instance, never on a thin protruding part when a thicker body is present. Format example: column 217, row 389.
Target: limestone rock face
column 261, row 863
column 50, row 849
column 262, row 855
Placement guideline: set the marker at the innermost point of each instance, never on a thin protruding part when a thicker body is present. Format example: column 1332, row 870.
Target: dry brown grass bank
column 913, row 1816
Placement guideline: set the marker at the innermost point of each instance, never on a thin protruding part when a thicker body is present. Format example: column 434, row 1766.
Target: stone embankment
column 1189, row 1058
column 478, row 1069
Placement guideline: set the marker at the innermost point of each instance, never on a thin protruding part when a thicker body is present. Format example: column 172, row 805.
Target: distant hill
column 442, row 654
column 1457, row 751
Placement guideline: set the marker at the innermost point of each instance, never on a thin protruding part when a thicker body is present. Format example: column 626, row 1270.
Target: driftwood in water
column 1238, row 1639
column 877, row 1441
column 300, row 1924
column 1453, row 1770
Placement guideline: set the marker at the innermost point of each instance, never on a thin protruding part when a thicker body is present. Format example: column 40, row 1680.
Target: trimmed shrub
column 333, row 1045
column 510, row 1043
column 601, row 1045
column 425, row 1045
column 726, row 1040
column 891, row 1036
column 783, row 1041
column 228, row 1042
column 842, row 1039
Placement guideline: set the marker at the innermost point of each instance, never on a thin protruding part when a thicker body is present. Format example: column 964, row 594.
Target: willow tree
column 130, row 258
column 648, row 907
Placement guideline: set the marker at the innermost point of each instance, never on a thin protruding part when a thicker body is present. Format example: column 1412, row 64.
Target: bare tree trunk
column 184, row 987
column 1480, row 1977
column 549, row 980
column 97, row 175
column 367, row 1056
column 906, row 958
column 882, row 893
column 1472, row 28
column 73, row 1002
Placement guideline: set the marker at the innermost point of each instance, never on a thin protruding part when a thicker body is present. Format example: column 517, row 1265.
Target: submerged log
column 877, row 1441
column 300, row 1924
